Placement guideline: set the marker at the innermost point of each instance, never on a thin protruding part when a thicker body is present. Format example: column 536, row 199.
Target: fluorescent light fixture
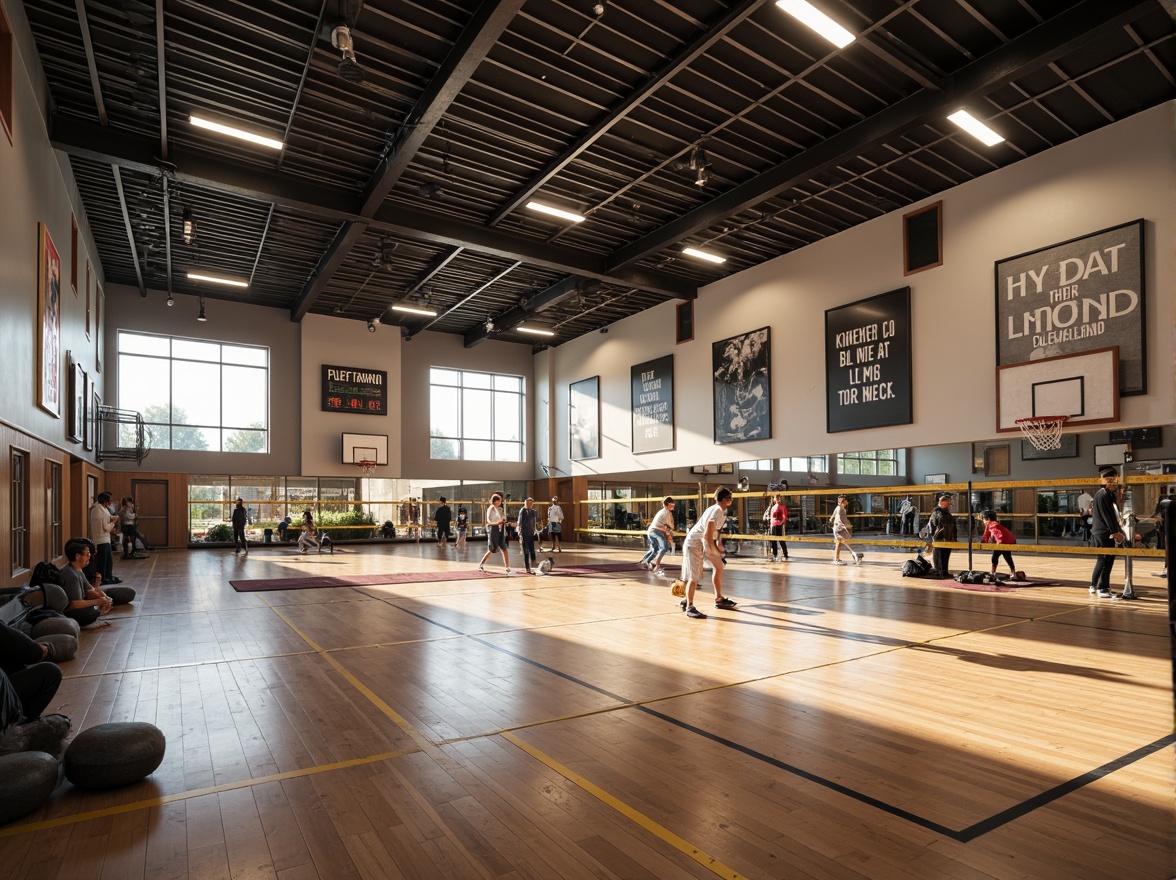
column 975, row 128
column 536, row 331
column 807, row 14
column 200, row 122
column 213, row 279
column 555, row 212
column 703, row 255
column 415, row 310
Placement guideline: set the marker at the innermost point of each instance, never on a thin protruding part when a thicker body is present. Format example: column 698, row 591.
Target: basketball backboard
column 1082, row 386
column 365, row 447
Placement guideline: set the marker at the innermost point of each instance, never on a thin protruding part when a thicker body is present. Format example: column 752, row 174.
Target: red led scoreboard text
column 352, row 390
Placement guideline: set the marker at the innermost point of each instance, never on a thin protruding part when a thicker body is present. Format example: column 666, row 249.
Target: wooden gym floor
column 843, row 722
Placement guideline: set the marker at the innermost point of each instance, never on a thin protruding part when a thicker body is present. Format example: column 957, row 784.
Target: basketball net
column 1044, row 432
column 367, row 466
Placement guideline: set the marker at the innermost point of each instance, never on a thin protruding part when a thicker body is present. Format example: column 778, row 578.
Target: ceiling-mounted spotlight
column 371, row 326
column 430, row 190
column 384, row 255
column 700, row 165
column 349, row 68
column 189, row 225
column 598, row 10
column 201, row 317
column 489, row 324
column 171, row 300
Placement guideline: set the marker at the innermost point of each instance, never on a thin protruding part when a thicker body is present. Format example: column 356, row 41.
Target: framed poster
column 88, row 411
column 584, row 419
column 741, row 368
column 1113, row 454
column 1139, row 438
column 1077, row 296
column 868, row 363
column 354, row 390
column 76, row 428
column 49, row 337
column 99, row 305
column 1068, row 449
column 93, row 425
column 934, row 479
column 652, row 390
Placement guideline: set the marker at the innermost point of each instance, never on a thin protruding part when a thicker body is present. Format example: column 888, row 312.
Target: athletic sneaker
column 838, row 562
column 1093, row 591
column 1106, row 594
column 724, row 603
column 695, row 613
column 682, row 604
column 661, row 573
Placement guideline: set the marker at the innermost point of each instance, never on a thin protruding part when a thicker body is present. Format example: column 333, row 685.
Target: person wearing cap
column 555, row 518
column 102, row 526
column 240, row 518
column 943, row 531
column 1104, row 532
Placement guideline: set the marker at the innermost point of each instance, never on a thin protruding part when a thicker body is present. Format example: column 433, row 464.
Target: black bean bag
column 57, row 626
column 26, row 781
column 120, row 595
column 36, row 596
column 115, row 754
column 61, row 647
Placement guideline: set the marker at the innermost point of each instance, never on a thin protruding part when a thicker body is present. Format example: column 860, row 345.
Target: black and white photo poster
column 742, row 387
column 584, row 419
column 868, row 363
column 1080, row 295
column 653, row 405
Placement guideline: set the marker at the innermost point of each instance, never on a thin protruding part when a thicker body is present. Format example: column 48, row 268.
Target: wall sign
column 584, row 419
column 1080, row 295
column 652, row 385
column 868, row 363
column 743, row 387
column 352, row 390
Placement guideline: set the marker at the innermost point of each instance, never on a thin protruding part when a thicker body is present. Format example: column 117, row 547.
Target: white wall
column 1117, row 174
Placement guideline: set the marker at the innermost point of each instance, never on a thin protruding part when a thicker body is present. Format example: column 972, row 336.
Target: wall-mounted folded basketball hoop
column 1083, row 388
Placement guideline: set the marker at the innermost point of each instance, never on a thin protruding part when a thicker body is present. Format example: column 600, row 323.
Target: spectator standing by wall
column 443, row 516
column 1085, row 501
column 528, row 526
column 778, row 523
column 128, row 524
column 943, row 530
column 555, row 518
column 240, row 518
column 102, row 527
column 1105, row 531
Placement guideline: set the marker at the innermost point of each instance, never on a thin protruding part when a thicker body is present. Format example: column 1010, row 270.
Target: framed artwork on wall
column 741, row 367
column 92, row 424
column 76, row 428
column 49, row 336
column 934, row 479
column 89, row 304
column 1068, row 449
column 99, row 305
column 652, row 404
column 584, row 419
column 88, row 411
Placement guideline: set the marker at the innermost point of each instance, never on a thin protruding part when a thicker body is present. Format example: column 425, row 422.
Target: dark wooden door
column 151, row 506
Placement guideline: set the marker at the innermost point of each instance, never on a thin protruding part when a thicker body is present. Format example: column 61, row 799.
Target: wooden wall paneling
column 121, row 483
column 39, row 452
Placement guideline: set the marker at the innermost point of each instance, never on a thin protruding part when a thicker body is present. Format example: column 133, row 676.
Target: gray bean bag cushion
column 61, row 647
column 57, row 626
column 34, row 597
column 120, row 595
column 116, row 754
column 26, row 781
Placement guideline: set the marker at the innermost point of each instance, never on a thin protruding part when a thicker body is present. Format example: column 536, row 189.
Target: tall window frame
column 476, row 416
column 806, row 464
column 869, row 463
column 18, row 463
column 237, row 371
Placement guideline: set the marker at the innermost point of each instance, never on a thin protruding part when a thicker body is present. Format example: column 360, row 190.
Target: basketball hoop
column 367, row 466
column 1044, row 432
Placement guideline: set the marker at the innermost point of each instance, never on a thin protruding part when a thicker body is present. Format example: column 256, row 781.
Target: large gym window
column 813, row 464
column 878, row 462
column 475, row 416
column 194, row 394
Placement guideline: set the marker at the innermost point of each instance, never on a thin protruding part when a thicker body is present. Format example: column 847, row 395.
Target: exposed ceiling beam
column 681, row 60
column 1043, row 44
column 91, row 141
column 84, row 24
column 126, row 215
column 161, row 73
column 469, row 50
column 556, row 293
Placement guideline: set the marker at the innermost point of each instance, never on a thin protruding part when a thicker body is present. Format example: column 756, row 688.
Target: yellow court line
column 391, row 713
column 199, row 792
column 660, row 831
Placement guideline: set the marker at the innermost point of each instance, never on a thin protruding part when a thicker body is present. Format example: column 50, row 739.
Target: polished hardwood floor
column 842, row 722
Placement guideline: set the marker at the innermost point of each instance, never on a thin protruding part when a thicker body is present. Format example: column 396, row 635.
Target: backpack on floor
column 45, row 573
column 975, row 577
column 917, row 567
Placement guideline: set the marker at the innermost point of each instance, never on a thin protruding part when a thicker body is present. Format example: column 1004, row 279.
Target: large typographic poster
column 868, row 363
column 1080, row 295
column 652, row 385
column 742, row 387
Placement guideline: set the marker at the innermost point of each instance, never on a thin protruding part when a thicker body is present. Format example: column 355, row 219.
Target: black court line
column 964, row 835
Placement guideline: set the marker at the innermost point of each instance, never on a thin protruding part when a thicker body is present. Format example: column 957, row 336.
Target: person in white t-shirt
column 661, row 538
column 705, row 539
column 555, row 518
column 495, row 532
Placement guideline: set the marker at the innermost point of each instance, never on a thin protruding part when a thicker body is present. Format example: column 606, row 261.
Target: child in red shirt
column 995, row 533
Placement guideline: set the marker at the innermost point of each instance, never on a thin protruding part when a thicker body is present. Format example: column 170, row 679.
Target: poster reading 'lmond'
column 1076, row 296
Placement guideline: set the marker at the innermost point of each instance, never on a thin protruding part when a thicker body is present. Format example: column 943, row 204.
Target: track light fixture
column 189, row 225
column 349, row 68
column 489, row 324
column 371, row 326
column 171, row 300
column 201, row 317
column 700, row 165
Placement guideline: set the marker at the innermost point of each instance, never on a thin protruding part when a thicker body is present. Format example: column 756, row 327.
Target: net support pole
column 971, row 520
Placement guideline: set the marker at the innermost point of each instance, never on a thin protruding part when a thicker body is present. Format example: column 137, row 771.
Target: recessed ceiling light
column 703, row 255
column 975, row 128
column 214, row 279
column 556, row 212
column 199, row 122
column 536, row 331
column 806, row 13
column 415, row 310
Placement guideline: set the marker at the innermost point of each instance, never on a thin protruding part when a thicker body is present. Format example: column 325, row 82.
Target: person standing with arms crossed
column 705, row 539
column 943, row 530
column 555, row 518
column 1105, row 532
column 778, row 521
column 240, row 517
column 495, row 532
